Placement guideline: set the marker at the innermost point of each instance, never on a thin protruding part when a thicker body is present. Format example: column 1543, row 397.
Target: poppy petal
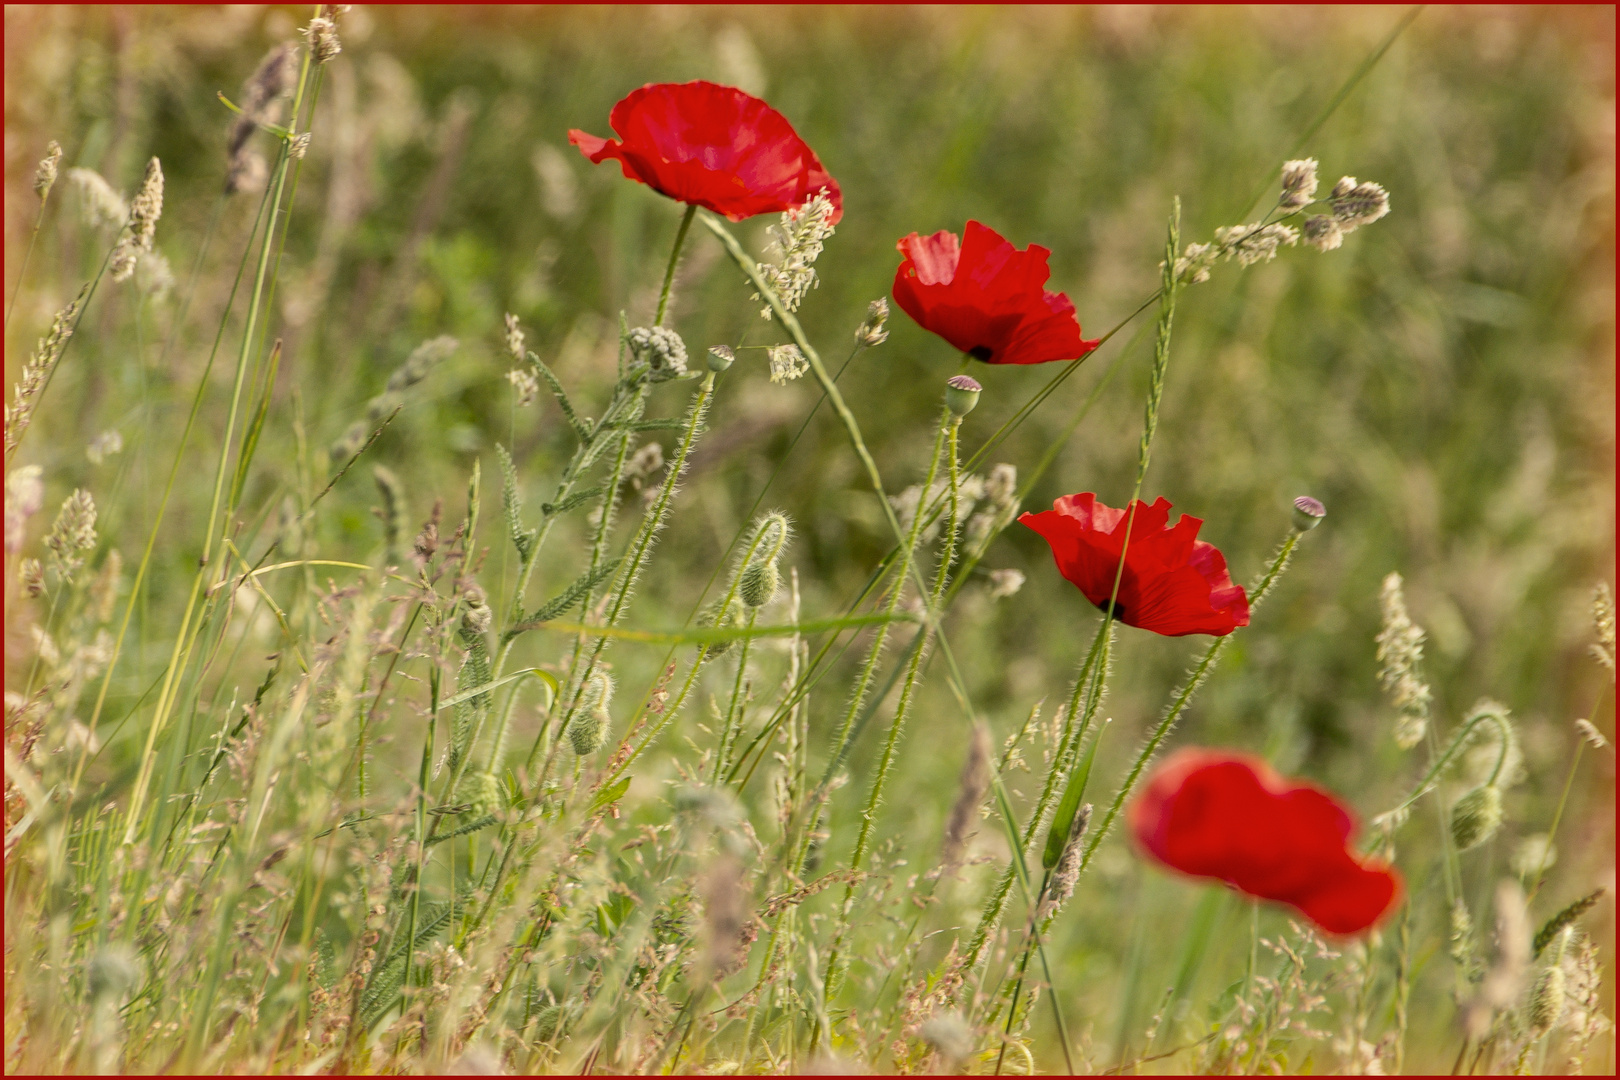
column 713, row 146
column 1172, row 582
column 1212, row 814
column 986, row 297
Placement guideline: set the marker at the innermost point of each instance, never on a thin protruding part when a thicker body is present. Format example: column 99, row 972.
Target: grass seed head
column 45, row 175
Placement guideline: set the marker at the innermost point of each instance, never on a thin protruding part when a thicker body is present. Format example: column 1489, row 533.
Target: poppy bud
column 481, row 791
column 588, row 731
column 720, row 357
column 759, row 579
column 961, row 394
column 759, row 583
column 1476, row 816
column 1308, row 513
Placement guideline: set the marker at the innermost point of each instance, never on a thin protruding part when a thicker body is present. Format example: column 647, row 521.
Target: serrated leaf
column 561, row 395
column 512, row 503
column 475, row 672
column 567, row 598
column 472, row 826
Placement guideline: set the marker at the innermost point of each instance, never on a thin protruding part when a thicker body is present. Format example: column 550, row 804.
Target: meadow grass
column 423, row 653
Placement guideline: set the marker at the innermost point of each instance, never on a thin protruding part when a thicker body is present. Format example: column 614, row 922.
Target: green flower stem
column 674, row 259
column 950, row 425
column 995, row 905
column 734, row 708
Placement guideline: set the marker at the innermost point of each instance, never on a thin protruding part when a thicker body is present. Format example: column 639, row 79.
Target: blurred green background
column 1444, row 382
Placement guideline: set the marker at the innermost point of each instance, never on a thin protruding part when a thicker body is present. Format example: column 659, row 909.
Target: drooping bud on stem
column 1476, row 816
column 759, row 580
column 588, row 730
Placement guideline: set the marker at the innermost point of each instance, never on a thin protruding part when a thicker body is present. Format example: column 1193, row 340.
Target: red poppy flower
column 1173, row 583
column 986, row 297
column 712, row 145
column 1213, row 814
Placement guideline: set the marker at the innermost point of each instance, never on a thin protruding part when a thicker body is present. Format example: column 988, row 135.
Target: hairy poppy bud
column 588, row 731
column 1476, row 816
column 481, row 791
column 961, row 394
column 759, row 583
column 759, row 578
column 1308, row 513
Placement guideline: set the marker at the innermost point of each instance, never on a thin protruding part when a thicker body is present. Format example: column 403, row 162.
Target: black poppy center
column 981, row 352
column 1119, row 610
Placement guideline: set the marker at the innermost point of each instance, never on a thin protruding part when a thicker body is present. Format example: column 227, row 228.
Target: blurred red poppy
column 714, row 146
column 1173, row 583
column 1213, row 814
column 986, row 297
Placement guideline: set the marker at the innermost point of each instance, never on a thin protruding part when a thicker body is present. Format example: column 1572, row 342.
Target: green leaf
column 562, row 397
column 567, row 598
column 610, row 794
column 512, row 502
column 472, row 826
column 1057, row 837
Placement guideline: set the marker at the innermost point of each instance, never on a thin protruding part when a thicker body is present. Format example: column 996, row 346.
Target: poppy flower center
column 1119, row 610
column 981, row 352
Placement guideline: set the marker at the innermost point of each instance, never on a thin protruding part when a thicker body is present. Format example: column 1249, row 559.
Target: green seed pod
column 961, row 394
column 1476, row 816
column 720, row 357
column 588, row 731
column 759, row 583
column 1547, row 1000
column 1308, row 513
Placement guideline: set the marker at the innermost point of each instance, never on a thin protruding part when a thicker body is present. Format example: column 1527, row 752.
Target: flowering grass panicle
column 45, row 174
column 1400, row 658
column 74, row 531
column 872, row 330
column 787, row 363
column 797, row 241
column 25, row 494
column 144, row 212
column 103, row 207
column 1298, row 184
column 1603, row 623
